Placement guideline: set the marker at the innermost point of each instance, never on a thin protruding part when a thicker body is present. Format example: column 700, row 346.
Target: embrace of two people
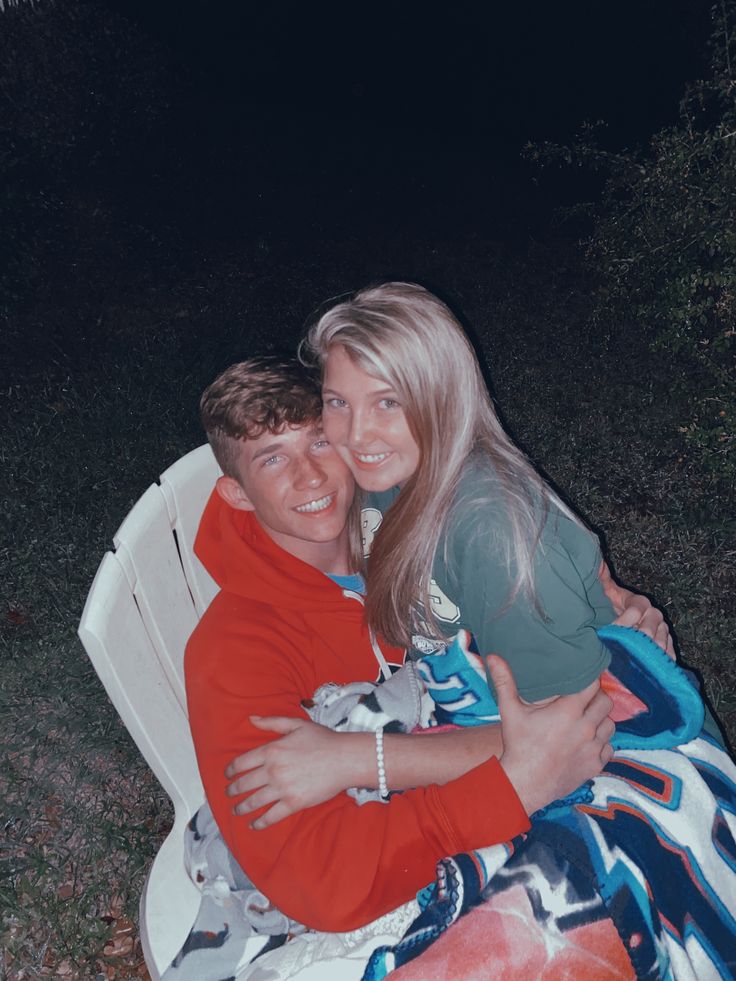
column 463, row 535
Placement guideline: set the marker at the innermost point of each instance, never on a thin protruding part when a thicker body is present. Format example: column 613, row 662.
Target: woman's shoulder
column 484, row 498
column 484, row 503
column 478, row 519
column 571, row 540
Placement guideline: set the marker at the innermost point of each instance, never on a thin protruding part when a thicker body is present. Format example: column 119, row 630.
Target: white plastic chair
column 144, row 603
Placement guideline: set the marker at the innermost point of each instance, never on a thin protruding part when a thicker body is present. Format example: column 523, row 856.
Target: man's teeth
column 319, row 505
column 371, row 457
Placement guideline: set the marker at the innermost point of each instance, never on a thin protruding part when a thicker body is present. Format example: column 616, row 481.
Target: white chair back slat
column 186, row 486
column 119, row 646
column 147, row 551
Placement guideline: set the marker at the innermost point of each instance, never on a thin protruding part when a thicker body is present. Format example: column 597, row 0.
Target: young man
column 280, row 536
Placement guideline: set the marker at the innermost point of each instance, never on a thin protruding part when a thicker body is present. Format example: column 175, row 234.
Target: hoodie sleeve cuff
column 482, row 808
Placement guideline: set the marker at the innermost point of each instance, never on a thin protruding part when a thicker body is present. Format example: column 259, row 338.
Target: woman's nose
column 360, row 429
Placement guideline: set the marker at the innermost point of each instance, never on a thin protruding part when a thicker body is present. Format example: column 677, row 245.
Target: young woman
column 462, row 531
column 467, row 534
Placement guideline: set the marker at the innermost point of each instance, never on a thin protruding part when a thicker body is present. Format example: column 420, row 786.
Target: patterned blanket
column 633, row 876
column 647, row 847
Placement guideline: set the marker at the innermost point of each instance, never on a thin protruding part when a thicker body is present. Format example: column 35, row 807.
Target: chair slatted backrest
column 186, row 486
column 145, row 601
column 117, row 642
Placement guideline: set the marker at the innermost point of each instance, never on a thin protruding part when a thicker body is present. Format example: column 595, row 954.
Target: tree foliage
column 663, row 242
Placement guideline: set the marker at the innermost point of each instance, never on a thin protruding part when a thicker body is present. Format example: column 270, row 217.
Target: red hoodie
column 278, row 630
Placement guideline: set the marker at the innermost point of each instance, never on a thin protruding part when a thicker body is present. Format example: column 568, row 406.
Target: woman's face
column 363, row 418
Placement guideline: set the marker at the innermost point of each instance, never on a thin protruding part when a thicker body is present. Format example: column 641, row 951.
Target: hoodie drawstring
column 382, row 662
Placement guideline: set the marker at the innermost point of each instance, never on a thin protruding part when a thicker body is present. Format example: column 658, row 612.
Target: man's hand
column 550, row 749
column 635, row 610
column 308, row 765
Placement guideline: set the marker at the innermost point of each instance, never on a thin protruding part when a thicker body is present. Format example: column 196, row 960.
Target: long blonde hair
column 407, row 337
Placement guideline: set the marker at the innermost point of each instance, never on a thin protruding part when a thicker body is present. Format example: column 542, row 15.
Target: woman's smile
column 365, row 421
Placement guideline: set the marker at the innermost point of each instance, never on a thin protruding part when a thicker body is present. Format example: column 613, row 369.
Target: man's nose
column 309, row 474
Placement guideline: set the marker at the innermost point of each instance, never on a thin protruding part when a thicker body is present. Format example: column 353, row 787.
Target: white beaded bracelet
column 380, row 763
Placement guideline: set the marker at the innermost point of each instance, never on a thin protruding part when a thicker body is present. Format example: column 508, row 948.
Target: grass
column 103, row 397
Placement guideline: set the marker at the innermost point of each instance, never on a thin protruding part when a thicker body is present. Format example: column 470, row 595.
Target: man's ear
column 233, row 494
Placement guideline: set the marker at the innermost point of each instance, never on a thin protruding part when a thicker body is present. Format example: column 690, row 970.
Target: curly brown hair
column 256, row 396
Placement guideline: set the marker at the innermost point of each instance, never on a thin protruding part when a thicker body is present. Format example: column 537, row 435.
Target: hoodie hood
column 243, row 559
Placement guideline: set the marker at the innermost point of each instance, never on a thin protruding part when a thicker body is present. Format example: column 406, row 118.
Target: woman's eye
column 334, row 403
column 388, row 403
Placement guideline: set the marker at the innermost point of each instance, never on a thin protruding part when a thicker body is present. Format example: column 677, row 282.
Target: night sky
column 408, row 110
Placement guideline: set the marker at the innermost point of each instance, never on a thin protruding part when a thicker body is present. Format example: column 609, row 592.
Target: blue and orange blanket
column 647, row 847
column 632, row 876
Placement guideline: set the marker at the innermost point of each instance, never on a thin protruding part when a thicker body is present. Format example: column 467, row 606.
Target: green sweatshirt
column 551, row 646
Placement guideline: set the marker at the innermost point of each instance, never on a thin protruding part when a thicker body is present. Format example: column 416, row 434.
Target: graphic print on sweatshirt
column 425, row 640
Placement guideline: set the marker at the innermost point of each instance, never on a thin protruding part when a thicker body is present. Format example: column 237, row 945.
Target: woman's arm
column 294, row 770
column 290, row 773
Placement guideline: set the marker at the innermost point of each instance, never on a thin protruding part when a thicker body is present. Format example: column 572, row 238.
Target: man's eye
column 271, row 460
column 321, row 444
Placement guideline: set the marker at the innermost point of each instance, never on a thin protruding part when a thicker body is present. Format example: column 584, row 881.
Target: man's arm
column 336, row 866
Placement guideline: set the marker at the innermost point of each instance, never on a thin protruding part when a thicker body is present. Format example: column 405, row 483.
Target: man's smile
column 321, row 504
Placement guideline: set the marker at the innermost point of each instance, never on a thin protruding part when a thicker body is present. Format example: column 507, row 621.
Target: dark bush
column 663, row 243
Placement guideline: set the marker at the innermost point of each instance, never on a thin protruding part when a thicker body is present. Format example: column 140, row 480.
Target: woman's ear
column 233, row 494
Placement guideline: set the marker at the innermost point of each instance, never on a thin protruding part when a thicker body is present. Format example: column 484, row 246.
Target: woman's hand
column 308, row 765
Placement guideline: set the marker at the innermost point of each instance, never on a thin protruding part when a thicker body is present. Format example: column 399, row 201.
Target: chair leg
column 169, row 904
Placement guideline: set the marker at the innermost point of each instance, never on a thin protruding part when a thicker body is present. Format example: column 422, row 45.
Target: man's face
column 299, row 489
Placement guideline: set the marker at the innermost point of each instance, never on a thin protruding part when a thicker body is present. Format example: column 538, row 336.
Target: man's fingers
column 605, row 730
column 650, row 623
column 630, row 617
column 598, row 708
column 583, row 699
column 507, row 695
column 662, row 635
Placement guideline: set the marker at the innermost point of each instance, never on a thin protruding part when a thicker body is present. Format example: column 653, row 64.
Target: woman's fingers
column 247, row 782
column 272, row 816
column 246, row 761
column 257, row 800
column 282, row 724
